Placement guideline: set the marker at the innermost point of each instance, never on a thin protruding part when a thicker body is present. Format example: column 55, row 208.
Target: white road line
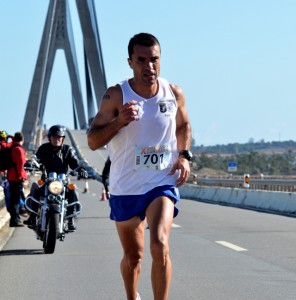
column 231, row 246
column 175, row 225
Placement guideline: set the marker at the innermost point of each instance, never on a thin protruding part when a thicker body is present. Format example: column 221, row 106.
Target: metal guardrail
column 281, row 185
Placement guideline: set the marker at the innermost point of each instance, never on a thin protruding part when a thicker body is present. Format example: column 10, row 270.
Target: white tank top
column 142, row 153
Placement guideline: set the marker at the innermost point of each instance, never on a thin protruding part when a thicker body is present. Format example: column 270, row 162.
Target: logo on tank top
column 163, row 107
column 167, row 106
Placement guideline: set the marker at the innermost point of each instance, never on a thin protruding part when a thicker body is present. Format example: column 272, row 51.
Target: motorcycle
column 52, row 207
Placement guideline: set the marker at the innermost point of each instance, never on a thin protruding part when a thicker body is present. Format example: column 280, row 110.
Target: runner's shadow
column 21, row 252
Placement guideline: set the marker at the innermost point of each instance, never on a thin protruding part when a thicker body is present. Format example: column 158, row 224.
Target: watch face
column 187, row 153
column 190, row 154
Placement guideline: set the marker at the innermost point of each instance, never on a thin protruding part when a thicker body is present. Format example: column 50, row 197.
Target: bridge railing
column 284, row 184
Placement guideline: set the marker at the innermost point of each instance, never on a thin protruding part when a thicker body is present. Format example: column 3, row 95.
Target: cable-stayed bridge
column 58, row 34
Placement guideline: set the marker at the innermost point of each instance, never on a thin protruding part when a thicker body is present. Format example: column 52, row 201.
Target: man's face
column 56, row 141
column 145, row 62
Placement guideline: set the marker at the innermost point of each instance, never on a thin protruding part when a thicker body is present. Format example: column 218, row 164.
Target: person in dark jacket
column 57, row 157
column 105, row 176
column 16, row 176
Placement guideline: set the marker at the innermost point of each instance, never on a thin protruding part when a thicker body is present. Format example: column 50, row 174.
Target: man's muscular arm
column 111, row 117
column 183, row 134
column 183, row 127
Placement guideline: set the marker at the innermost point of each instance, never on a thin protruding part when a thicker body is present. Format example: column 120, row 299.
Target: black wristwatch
column 187, row 154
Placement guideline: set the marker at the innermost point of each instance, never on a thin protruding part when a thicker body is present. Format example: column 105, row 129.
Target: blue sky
column 234, row 59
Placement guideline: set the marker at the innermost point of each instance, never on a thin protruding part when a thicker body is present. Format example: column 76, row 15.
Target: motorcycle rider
column 55, row 156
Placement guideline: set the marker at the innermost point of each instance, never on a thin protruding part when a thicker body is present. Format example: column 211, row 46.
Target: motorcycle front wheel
column 51, row 233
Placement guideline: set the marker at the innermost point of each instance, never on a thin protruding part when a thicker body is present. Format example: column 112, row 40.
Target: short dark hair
column 18, row 137
column 142, row 39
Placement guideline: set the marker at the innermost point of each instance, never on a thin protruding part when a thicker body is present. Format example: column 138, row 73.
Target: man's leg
column 131, row 235
column 14, row 188
column 160, row 217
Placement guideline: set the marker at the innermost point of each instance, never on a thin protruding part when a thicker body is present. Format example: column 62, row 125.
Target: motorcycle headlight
column 55, row 187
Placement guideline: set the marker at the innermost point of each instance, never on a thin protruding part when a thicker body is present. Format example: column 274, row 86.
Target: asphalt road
column 218, row 253
column 86, row 264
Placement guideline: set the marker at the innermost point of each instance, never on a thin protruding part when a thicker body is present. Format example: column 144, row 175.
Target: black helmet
column 57, row 130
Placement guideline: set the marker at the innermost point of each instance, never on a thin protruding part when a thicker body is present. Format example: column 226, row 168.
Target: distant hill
column 236, row 148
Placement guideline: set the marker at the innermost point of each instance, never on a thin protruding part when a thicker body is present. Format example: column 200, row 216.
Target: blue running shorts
column 127, row 206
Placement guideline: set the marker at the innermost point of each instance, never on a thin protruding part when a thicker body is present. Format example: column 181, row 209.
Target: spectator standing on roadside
column 16, row 176
column 105, row 176
column 5, row 137
column 4, row 143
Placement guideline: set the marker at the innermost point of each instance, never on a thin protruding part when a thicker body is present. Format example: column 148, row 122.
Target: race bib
column 153, row 157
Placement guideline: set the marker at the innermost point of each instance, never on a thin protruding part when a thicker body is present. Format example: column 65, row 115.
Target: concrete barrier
column 2, row 199
column 269, row 201
column 4, row 215
column 277, row 202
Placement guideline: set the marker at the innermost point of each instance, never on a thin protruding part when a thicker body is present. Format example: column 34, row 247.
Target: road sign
column 232, row 167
